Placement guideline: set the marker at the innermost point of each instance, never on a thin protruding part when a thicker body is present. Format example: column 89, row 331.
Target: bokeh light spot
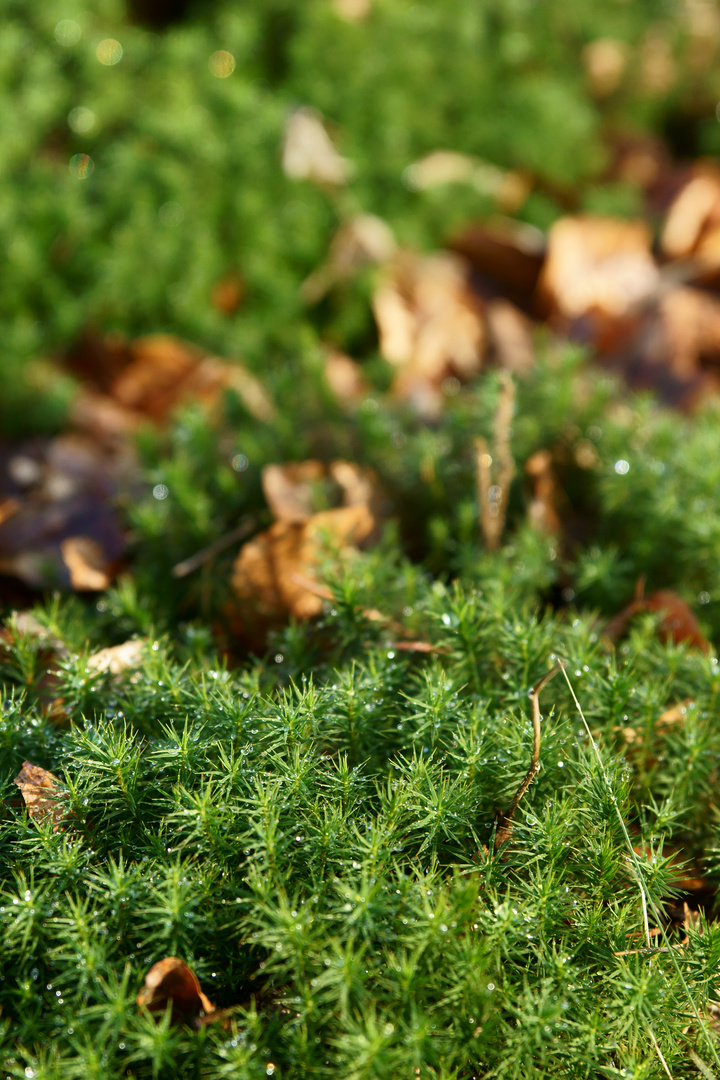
column 221, row 64
column 109, row 52
column 67, row 32
column 81, row 120
column 81, row 166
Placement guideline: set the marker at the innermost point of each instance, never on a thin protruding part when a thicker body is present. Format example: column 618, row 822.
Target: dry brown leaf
column 693, row 214
column 676, row 622
column 291, row 489
column 598, row 265
column 308, row 152
column 149, row 377
column 264, row 571
column 298, row 489
column 510, row 337
column 430, row 325
column 42, row 793
column 365, row 240
column 676, row 714
column 345, row 378
column 171, row 980
column 117, row 658
column 86, row 563
column 508, row 189
column 691, row 326
column 506, row 255
column 605, row 61
column 228, row 293
column 70, row 489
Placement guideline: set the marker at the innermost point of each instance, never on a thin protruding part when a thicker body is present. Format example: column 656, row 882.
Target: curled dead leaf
column 605, row 61
column 228, row 293
column 508, row 189
column 430, row 325
column 117, row 658
column 365, row 240
column 264, row 570
column 43, row 795
column 86, row 563
column 506, row 255
column 345, row 378
column 172, row 981
column 676, row 714
column 298, row 489
column 510, row 337
column 308, row 152
column 598, row 265
column 676, row 621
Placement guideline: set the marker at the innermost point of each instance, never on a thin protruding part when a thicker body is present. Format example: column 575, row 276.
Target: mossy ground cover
column 309, row 823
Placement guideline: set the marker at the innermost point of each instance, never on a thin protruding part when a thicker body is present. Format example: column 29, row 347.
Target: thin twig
column 194, row 562
column 659, row 1052
column 504, row 829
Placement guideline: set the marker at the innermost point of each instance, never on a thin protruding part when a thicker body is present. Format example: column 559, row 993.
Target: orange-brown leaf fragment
column 171, row 980
column 86, row 563
column 42, row 795
column 676, row 714
column 298, row 489
column 431, row 326
column 676, row 621
column 598, row 265
column 269, row 568
column 117, row 658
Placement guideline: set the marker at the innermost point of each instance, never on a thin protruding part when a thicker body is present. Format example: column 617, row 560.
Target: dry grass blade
column 493, row 497
column 504, row 829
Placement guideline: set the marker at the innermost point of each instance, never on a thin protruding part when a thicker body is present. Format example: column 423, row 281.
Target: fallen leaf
column 509, row 337
column 600, row 266
column 676, row 621
column 298, row 489
column 308, row 152
column 171, row 980
column 118, row 658
column 690, row 321
column 365, row 240
column 127, row 382
column 605, row 61
column 86, row 563
column 508, row 189
column 676, row 714
column 693, row 220
column 430, row 325
column 291, row 490
column 345, row 378
column 263, row 573
column 70, row 490
column 42, row 793
column 507, row 257
column 228, row 293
